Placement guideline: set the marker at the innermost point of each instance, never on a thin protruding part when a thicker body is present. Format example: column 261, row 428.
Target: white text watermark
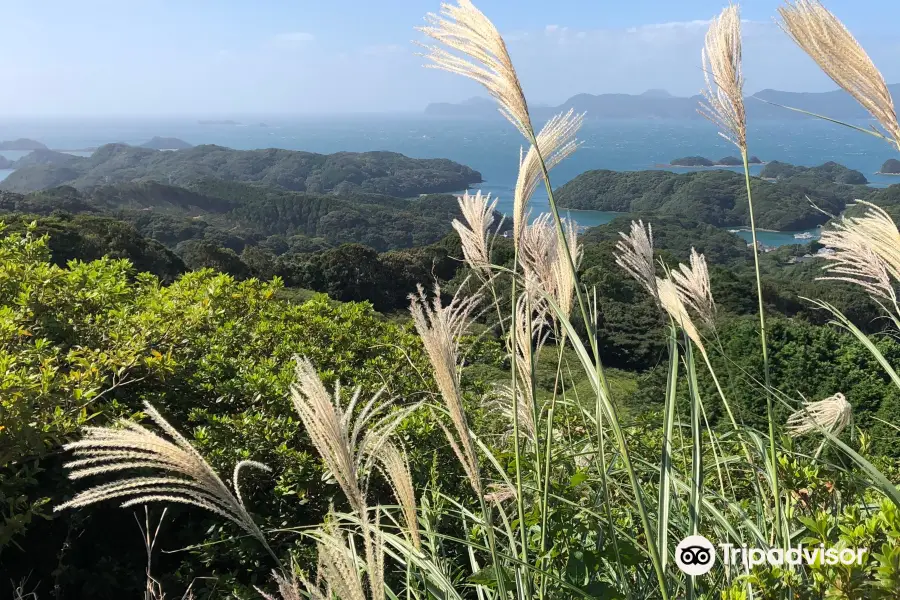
column 696, row 555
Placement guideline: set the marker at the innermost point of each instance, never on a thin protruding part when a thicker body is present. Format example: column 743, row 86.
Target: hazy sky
column 231, row 57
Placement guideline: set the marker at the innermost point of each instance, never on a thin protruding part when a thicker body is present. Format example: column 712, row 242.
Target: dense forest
column 719, row 197
column 196, row 292
column 386, row 173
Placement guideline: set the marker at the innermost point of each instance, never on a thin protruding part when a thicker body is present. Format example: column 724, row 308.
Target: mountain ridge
column 660, row 104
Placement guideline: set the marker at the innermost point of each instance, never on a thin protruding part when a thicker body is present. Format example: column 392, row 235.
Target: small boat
column 803, row 236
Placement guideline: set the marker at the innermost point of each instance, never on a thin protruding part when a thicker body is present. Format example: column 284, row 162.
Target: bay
column 489, row 146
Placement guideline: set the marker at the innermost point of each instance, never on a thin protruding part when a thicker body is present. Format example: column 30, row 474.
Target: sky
column 237, row 57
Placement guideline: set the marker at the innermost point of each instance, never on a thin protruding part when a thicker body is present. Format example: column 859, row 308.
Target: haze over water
column 489, row 146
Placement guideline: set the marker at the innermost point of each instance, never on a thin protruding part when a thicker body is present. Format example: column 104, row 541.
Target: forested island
column 22, row 144
column 890, row 167
column 369, row 172
column 700, row 161
column 719, row 197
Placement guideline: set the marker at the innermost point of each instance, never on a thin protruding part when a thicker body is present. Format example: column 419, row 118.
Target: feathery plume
column 634, row 253
column 347, row 446
column 536, row 254
column 504, row 404
column 500, row 493
column 832, row 414
column 545, row 264
column 722, row 69
column 440, row 328
column 671, row 302
column 693, row 287
column 187, row 479
column 288, row 588
column 531, row 332
column 827, row 41
column 395, row 467
column 478, row 212
column 563, row 275
column 867, row 251
column 339, row 570
column 480, row 54
column 555, row 143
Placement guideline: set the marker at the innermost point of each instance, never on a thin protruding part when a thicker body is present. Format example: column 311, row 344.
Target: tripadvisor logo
column 696, row 555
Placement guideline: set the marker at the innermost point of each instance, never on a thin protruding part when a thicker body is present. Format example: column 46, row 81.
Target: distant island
column 166, row 143
column 22, row 144
column 831, row 171
column 719, row 196
column 700, row 161
column 5, row 163
column 659, row 104
column 386, row 173
column 222, row 122
column 45, row 157
column 890, row 167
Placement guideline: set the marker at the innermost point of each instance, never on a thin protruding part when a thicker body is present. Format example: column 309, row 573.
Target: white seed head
column 832, row 414
column 827, row 41
column 478, row 213
column 555, row 143
column 475, row 49
column 724, row 93
column 634, row 253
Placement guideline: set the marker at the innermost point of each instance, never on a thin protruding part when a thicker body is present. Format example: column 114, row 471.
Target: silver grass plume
column 833, row 414
column 288, row 588
column 537, row 251
column 500, row 493
column 440, row 328
column 479, row 53
column 563, row 275
column 671, row 302
column 724, row 94
column 694, row 289
column 530, row 325
column 348, row 445
column 339, row 570
column 634, row 253
column 395, row 467
column 545, row 264
column 867, row 251
column 555, row 142
column 478, row 213
column 827, row 41
column 187, row 478
column 503, row 402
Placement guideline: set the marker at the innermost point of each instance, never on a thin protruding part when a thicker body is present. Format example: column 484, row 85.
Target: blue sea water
column 491, row 147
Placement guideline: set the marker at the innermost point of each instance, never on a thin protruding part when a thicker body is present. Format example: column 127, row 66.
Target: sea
column 489, row 146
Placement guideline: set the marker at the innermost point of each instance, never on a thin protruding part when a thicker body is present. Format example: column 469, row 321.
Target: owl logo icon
column 695, row 555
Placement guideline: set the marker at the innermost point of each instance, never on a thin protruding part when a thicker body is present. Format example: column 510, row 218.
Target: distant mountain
column 5, row 163
column 371, row 172
column 22, row 144
column 660, row 104
column 166, row 143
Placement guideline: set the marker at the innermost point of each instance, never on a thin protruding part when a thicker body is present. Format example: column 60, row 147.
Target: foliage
column 92, row 341
column 377, row 172
column 717, row 197
column 830, row 171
